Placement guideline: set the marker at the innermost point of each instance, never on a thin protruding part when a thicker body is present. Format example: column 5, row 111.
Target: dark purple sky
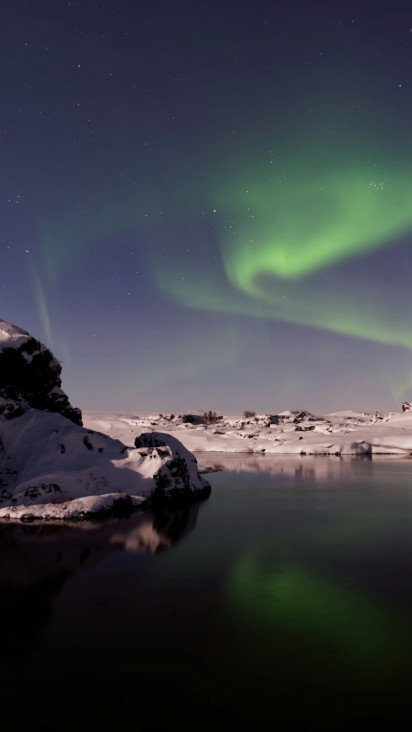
column 208, row 205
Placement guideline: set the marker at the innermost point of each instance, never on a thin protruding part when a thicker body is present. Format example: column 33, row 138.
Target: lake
column 284, row 601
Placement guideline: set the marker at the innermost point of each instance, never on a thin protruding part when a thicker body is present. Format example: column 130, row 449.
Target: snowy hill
column 52, row 467
column 291, row 432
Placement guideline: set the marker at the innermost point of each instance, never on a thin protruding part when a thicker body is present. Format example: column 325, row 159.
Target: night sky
column 208, row 205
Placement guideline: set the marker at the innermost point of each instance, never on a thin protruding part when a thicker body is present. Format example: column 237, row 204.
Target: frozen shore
column 287, row 433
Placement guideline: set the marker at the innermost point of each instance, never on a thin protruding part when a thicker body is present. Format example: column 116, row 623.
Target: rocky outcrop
column 192, row 419
column 406, row 406
column 53, row 468
column 30, row 376
column 178, row 476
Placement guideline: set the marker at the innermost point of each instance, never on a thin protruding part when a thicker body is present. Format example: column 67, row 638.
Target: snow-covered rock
column 51, row 467
column 178, row 473
column 30, row 376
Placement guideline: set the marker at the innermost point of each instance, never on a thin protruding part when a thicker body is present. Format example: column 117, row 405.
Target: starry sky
column 208, row 205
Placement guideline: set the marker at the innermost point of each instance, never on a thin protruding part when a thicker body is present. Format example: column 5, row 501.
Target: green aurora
column 360, row 315
column 285, row 221
column 283, row 229
column 291, row 225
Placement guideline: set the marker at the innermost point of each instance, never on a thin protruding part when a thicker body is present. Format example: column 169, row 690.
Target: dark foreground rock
column 30, row 376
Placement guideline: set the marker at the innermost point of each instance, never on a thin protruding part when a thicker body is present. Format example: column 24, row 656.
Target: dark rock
column 301, row 416
column 30, row 377
column 192, row 419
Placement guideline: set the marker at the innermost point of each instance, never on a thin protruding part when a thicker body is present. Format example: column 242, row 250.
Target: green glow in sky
column 99, row 213
column 42, row 309
column 300, row 216
column 285, row 227
column 349, row 312
column 285, row 219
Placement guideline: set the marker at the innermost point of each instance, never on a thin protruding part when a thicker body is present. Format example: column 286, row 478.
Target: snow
column 287, row 433
column 52, row 468
column 11, row 336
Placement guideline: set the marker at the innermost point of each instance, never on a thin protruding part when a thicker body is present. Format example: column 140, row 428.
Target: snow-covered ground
column 287, row 433
column 51, row 467
column 54, row 469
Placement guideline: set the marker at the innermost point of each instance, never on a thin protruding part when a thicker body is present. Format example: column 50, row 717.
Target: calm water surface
column 284, row 601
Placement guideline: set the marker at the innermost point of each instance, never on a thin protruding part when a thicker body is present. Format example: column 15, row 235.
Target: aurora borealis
column 209, row 205
column 286, row 227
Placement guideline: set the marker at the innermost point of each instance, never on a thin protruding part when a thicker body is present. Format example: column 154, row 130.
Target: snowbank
column 53, row 468
column 286, row 433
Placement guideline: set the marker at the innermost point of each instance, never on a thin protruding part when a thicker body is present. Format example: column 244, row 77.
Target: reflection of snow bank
column 38, row 559
column 35, row 553
column 322, row 471
column 291, row 432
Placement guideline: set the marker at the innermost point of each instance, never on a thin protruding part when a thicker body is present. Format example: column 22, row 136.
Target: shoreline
column 290, row 433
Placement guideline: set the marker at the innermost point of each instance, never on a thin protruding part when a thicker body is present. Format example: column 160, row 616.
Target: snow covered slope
column 52, row 467
column 290, row 432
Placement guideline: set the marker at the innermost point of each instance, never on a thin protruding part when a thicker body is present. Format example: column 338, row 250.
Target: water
column 284, row 601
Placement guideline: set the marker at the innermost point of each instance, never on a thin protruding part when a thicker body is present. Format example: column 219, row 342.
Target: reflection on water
column 321, row 612
column 289, row 607
column 308, row 467
column 38, row 559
